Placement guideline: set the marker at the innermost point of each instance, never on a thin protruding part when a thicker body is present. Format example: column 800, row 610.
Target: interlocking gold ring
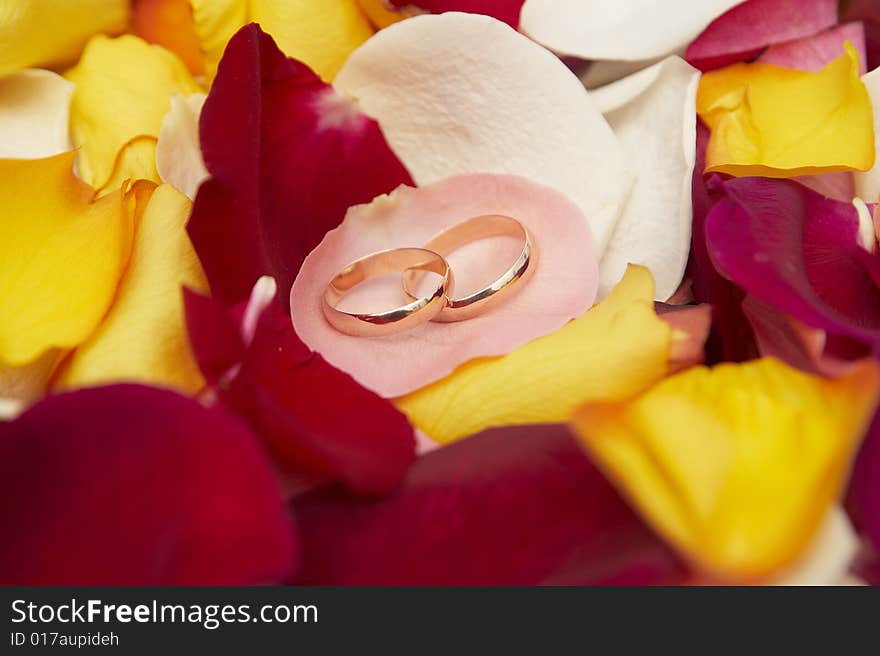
column 509, row 283
column 421, row 310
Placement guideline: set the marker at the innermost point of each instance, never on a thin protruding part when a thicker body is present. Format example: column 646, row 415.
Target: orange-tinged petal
column 777, row 122
column 53, row 32
column 615, row 350
column 143, row 338
column 319, row 34
column 738, row 465
column 135, row 161
column 28, row 382
column 123, row 90
column 380, row 15
column 170, row 24
column 61, row 256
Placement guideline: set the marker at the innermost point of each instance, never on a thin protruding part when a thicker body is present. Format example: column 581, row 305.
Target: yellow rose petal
column 738, row 465
column 123, row 90
column 51, row 32
column 320, row 34
column 615, row 350
column 61, row 256
column 777, row 122
column 143, row 338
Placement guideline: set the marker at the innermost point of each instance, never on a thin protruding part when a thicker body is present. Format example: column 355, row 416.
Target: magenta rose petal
column 139, row 486
column 797, row 251
column 839, row 185
column 518, row 505
column 507, row 11
column 287, row 157
column 731, row 338
column 863, row 500
column 748, row 28
column 784, row 337
column 815, row 52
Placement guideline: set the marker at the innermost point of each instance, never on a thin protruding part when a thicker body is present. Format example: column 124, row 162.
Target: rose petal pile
column 685, row 392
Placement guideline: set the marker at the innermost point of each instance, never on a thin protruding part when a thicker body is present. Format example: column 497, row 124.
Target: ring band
column 420, row 311
column 475, row 229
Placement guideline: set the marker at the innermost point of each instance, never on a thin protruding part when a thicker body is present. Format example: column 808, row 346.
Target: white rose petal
column 653, row 113
column 627, row 30
column 178, row 153
column 462, row 93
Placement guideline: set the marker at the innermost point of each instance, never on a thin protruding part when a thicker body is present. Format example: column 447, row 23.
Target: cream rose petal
column 654, row 116
column 868, row 183
column 34, row 113
column 462, row 93
column 627, row 30
column 178, row 153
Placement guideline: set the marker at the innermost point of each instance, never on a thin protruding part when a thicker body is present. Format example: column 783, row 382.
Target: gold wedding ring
column 511, row 281
column 421, row 310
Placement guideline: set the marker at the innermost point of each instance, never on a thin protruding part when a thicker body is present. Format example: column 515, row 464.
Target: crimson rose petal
column 798, row 252
column 864, row 492
column 516, row 505
column 867, row 11
column 138, row 486
column 748, row 28
column 288, row 156
column 731, row 338
column 315, row 418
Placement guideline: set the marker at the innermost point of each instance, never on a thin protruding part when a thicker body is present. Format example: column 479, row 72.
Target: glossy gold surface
column 508, row 284
column 421, row 310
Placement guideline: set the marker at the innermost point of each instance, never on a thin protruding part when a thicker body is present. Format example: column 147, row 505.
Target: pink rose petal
column 562, row 288
column 813, row 53
column 750, row 27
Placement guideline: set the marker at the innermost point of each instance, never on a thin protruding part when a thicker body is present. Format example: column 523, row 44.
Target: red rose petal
column 288, row 157
column 748, row 28
column 507, row 11
column 315, row 419
column 215, row 338
column 138, row 486
column 513, row 506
